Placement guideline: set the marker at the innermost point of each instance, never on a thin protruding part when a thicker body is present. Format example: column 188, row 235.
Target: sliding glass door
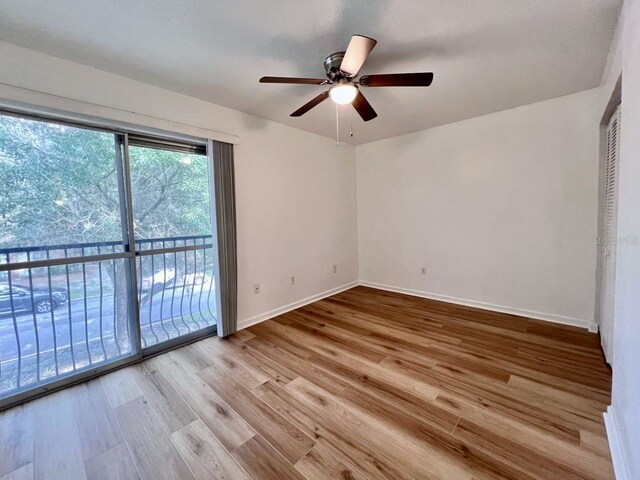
column 106, row 251
column 173, row 239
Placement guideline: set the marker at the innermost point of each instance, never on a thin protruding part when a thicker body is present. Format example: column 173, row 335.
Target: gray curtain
column 224, row 179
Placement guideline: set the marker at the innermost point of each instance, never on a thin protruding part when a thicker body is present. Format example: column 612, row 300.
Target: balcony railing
column 65, row 308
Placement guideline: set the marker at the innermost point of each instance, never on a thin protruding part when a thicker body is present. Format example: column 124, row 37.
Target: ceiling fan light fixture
column 343, row 93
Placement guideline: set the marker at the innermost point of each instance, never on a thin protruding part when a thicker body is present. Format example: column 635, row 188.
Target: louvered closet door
column 608, row 235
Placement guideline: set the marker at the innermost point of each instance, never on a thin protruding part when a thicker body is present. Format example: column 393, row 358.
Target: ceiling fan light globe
column 343, row 93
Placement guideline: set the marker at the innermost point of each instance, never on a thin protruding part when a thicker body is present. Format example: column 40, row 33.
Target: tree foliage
column 60, row 185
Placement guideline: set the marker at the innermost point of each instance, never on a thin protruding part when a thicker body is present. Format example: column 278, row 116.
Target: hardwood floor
column 362, row 385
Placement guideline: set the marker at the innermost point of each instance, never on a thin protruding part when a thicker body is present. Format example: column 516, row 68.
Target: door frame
column 609, row 111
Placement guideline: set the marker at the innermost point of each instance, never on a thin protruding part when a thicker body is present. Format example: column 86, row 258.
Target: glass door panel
column 64, row 259
column 173, row 240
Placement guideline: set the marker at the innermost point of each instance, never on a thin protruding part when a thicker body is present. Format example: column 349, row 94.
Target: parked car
column 167, row 279
column 24, row 299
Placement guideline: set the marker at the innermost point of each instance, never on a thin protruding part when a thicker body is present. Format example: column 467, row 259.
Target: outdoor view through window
column 79, row 209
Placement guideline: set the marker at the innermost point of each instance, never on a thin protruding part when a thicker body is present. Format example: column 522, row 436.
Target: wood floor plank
column 289, row 440
column 205, row 455
column 152, row 451
column 121, row 387
column 521, row 458
column 320, row 464
column 405, row 327
column 365, row 384
column 244, row 335
column 317, row 346
column 445, row 450
column 360, row 458
column 557, row 376
column 23, row 473
column 265, row 331
column 598, row 444
column 58, row 452
column 525, row 370
column 228, row 427
column 553, row 359
column 527, row 435
column 263, row 462
column 368, row 366
column 234, row 368
column 97, row 425
column 497, row 397
column 305, row 370
column 16, row 438
column 189, row 358
column 374, row 324
column 362, row 341
column 559, row 397
column 167, row 404
column 405, row 399
column 400, row 446
column 114, row 464
column 321, row 337
column 253, row 360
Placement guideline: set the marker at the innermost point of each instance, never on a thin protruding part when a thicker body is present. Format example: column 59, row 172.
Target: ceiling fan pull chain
column 350, row 124
column 337, row 127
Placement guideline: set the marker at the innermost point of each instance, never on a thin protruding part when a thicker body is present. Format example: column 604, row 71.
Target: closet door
column 608, row 235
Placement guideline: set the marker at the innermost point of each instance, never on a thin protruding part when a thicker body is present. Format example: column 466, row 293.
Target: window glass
column 58, row 185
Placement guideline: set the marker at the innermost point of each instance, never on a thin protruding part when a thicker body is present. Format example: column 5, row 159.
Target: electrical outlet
column 293, row 280
column 335, row 269
column 256, row 288
column 423, row 270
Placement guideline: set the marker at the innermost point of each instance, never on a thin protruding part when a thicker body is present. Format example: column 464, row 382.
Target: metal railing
column 64, row 308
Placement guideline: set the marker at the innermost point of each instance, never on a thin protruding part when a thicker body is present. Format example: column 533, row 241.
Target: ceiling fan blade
column 357, row 52
column 304, row 81
column 309, row 105
column 363, row 107
column 422, row 79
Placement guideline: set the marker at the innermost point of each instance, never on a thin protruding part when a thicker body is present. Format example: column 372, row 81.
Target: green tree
column 60, row 185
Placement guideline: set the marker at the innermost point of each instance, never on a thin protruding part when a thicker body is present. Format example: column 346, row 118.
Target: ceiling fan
column 342, row 68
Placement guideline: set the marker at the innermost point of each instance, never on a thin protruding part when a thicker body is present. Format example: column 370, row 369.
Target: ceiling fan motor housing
column 332, row 66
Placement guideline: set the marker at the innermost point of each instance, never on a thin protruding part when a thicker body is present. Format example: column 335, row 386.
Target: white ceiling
column 487, row 55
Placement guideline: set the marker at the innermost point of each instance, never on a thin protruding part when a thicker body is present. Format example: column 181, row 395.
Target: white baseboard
column 617, row 455
column 292, row 306
column 548, row 317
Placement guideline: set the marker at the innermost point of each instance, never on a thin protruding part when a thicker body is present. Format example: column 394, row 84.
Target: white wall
column 501, row 209
column 296, row 202
column 623, row 422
